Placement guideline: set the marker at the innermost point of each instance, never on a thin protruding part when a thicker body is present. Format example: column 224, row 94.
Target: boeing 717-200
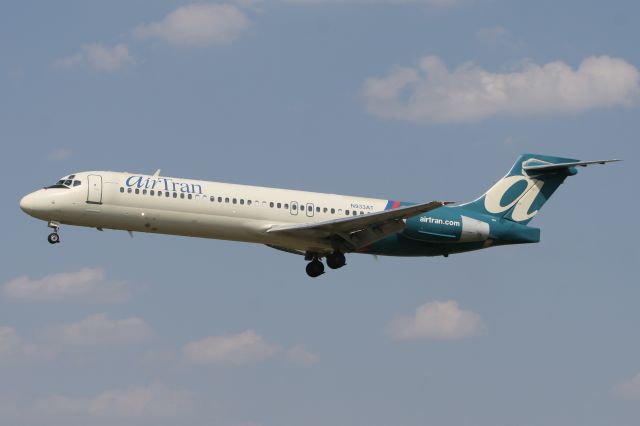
column 310, row 224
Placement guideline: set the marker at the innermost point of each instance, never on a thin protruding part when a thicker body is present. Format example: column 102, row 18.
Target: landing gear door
column 94, row 194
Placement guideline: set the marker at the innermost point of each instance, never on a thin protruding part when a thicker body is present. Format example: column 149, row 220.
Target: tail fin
column 523, row 191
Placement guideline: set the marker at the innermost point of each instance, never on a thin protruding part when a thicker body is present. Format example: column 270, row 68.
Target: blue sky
column 411, row 100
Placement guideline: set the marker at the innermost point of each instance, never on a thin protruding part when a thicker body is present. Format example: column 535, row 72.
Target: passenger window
column 181, row 195
column 159, row 193
column 279, row 205
column 152, row 192
column 175, row 195
column 129, row 190
column 248, row 202
column 137, row 191
column 339, row 211
column 144, row 192
column 219, row 199
column 346, row 212
column 190, row 196
column 286, row 206
column 226, row 200
column 355, row 213
column 212, row 198
column 242, row 201
column 166, row 194
column 271, row 204
column 235, row 201
column 333, row 211
column 317, row 209
column 121, row 189
column 324, row 210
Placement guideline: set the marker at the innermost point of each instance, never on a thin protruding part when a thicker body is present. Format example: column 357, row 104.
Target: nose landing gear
column 54, row 238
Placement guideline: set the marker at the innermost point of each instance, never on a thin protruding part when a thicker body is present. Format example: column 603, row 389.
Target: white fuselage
column 164, row 205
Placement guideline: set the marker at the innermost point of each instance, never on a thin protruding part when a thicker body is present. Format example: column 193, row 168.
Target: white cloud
column 436, row 320
column 198, row 25
column 87, row 284
column 99, row 329
column 432, row 93
column 496, row 37
column 629, row 389
column 244, row 348
column 100, row 57
column 153, row 401
column 14, row 348
column 438, row 3
column 60, row 154
column 298, row 354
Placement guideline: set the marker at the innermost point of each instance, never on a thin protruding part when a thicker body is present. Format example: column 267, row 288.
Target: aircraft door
column 94, row 194
column 294, row 208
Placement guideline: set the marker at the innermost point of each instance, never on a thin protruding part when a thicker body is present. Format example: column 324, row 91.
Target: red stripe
column 396, row 204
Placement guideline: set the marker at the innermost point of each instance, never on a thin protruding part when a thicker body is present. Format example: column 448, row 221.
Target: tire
column 53, row 238
column 315, row 268
column 336, row 260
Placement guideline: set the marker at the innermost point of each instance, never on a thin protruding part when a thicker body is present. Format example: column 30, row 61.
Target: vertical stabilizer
column 520, row 194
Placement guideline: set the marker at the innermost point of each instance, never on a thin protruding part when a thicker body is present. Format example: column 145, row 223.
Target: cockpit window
column 67, row 182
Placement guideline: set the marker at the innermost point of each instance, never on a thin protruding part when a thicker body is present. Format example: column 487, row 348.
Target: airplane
column 313, row 225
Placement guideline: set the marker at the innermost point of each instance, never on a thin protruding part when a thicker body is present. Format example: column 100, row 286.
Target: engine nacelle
column 445, row 226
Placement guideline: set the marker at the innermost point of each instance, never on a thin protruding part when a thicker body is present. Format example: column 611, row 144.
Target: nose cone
column 35, row 204
column 28, row 203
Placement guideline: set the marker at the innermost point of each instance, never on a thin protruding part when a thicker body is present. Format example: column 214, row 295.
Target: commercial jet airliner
column 310, row 224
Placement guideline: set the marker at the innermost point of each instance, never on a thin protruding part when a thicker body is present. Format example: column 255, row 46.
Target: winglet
column 157, row 173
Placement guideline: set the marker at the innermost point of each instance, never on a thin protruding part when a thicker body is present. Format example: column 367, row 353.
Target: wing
column 351, row 233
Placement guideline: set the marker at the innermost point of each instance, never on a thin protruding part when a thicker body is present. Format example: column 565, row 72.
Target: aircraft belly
column 186, row 224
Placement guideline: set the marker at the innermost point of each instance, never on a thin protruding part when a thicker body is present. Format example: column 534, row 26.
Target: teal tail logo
column 523, row 191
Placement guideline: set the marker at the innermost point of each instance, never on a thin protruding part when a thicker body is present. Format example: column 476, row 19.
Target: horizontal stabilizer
column 539, row 166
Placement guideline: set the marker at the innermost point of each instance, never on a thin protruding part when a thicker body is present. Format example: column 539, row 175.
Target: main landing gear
column 53, row 237
column 336, row 260
column 315, row 268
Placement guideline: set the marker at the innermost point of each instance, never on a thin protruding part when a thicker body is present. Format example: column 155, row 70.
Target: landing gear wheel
column 336, row 260
column 53, row 238
column 315, row 268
